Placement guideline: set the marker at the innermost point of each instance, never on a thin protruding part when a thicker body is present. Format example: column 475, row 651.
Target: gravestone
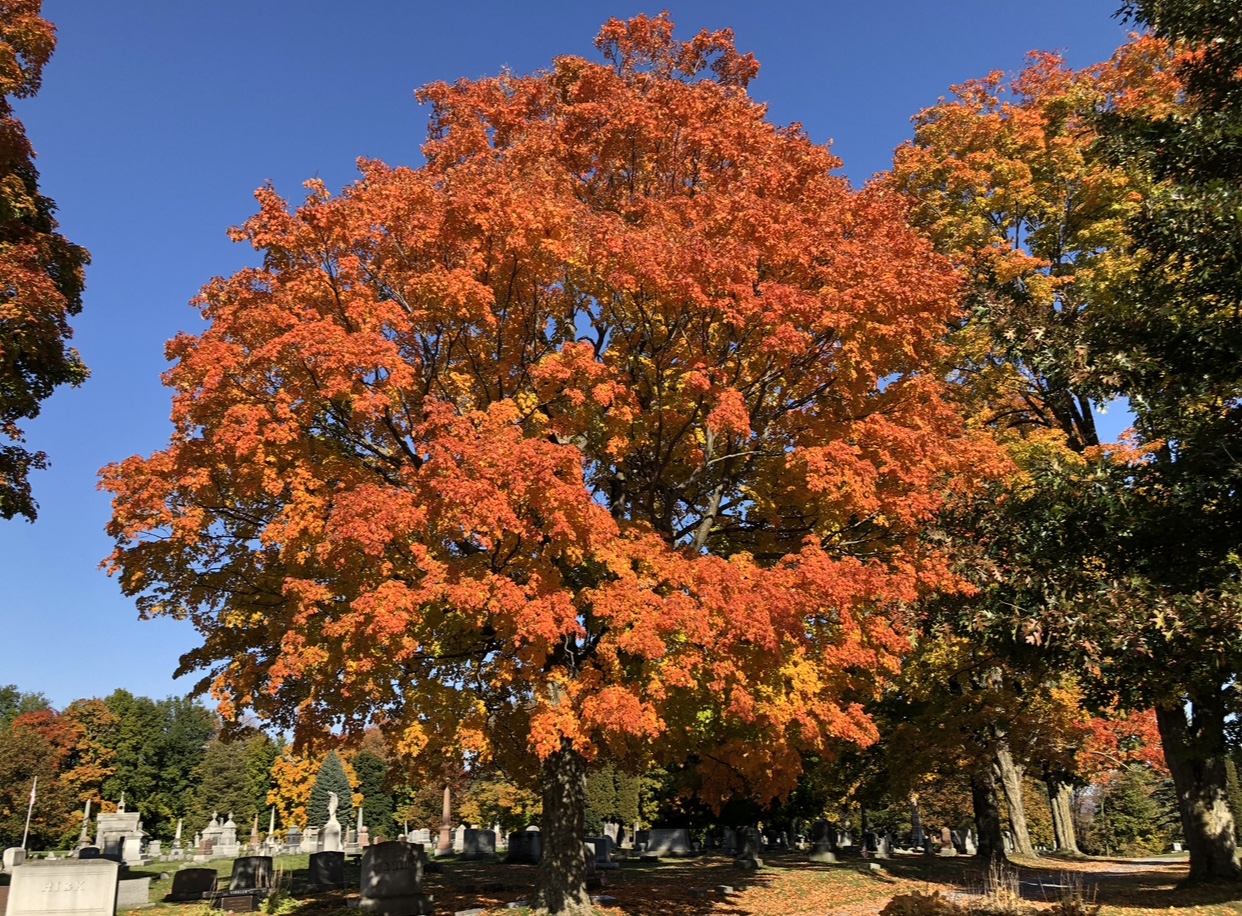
column 330, row 835
column 120, row 835
column 13, row 857
column 327, row 870
column 392, row 880
column 421, row 836
column 884, row 846
column 155, row 849
column 729, row 845
column 823, row 842
column 89, row 852
column 293, row 840
column 525, row 846
column 193, row 884
column 751, row 844
column 946, row 843
column 70, row 887
column 478, row 844
column 668, row 842
column 251, row 873
column 132, row 893
column 459, row 839
column 310, row 840
column 601, row 851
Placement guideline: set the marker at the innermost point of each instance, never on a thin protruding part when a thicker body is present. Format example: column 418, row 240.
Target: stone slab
column 326, row 870
column 391, row 871
column 68, row 887
column 662, row 841
column 193, row 884
column 251, row 873
column 132, row 893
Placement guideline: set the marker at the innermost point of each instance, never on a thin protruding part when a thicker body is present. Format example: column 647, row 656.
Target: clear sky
column 157, row 120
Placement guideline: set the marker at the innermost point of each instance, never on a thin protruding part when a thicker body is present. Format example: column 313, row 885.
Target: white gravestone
column 70, row 887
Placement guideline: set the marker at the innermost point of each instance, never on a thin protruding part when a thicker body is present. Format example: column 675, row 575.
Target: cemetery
column 620, row 499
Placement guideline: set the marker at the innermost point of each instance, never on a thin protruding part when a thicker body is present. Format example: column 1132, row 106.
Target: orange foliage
column 612, row 425
column 293, row 778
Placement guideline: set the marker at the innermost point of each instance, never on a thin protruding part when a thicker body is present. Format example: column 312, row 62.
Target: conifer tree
column 331, row 778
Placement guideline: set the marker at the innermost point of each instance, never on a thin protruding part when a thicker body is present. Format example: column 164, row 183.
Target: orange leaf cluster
column 612, row 425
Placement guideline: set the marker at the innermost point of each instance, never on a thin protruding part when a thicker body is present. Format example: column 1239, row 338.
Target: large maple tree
column 609, row 431
column 41, row 273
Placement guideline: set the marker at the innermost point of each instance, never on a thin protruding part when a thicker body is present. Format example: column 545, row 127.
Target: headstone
column 730, row 842
column 946, row 843
column 327, row 870
column 421, row 835
column 748, row 857
column 601, row 851
column 70, row 887
column 193, row 884
column 310, row 840
column 971, row 847
column 155, row 849
column 13, row 857
column 640, row 839
column 1177, row 847
column 823, row 842
column 459, row 839
column 669, row 842
column 120, row 834
column 525, row 846
column 392, row 880
column 251, row 873
column 478, row 844
column 916, row 821
column 132, row 893
column 89, row 852
column 611, row 831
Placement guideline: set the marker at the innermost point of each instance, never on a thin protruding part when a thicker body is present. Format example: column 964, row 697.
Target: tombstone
column 310, row 840
column 640, row 839
column 525, row 846
column 155, row 849
column 251, row 873
column 362, row 834
column 89, row 852
column 70, row 887
column 748, row 858
column 668, row 842
column 132, row 893
column 193, row 884
column 601, row 851
column 326, row 871
column 946, row 843
column 729, row 846
column 884, row 846
column 459, row 839
column 120, row 835
column 293, row 839
column 13, row 857
column 916, row 833
column 1177, row 847
column 929, row 847
column 1007, row 838
column 611, row 830
column 392, row 880
column 421, row 835
column 970, row 846
column 823, row 842
column 478, row 844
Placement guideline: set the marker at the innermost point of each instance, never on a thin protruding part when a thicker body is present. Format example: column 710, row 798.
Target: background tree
column 41, row 272
column 551, row 447
column 377, row 804
column 233, row 778
column 331, row 778
column 24, row 755
column 14, row 702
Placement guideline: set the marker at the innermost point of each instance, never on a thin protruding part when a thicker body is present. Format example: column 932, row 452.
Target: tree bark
column 1060, row 800
column 1011, row 781
column 987, row 816
column 1194, row 749
column 562, row 867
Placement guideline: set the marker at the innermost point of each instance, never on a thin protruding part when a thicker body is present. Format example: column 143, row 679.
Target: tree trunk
column 562, row 867
column 1060, row 800
column 987, row 816
column 1011, row 781
column 1194, row 749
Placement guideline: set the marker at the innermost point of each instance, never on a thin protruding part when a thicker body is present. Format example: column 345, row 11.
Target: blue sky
column 158, row 120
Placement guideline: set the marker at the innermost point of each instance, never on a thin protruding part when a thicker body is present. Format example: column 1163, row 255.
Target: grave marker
column 70, row 887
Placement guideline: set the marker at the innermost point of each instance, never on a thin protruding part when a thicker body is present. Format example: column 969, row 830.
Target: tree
column 41, row 272
column 331, row 778
column 24, row 755
column 377, row 806
column 14, row 702
column 232, row 778
column 610, row 431
column 1172, row 343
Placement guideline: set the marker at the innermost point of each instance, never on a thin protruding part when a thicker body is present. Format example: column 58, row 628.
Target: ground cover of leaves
column 787, row 886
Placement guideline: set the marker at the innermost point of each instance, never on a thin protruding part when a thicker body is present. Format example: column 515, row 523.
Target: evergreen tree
column 1129, row 819
column 227, row 781
column 331, row 778
column 377, row 804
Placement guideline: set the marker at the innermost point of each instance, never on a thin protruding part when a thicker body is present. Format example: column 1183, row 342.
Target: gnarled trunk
column 562, row 868
column 1011, row 781
column 1060, row 800
column 1194, row 749
column 987, row 815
